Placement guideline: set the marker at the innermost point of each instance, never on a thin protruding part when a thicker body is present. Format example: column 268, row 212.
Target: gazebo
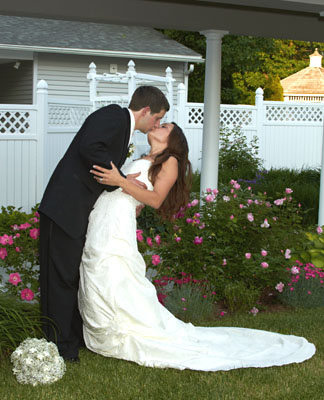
column 290, row 19
column 307, row 84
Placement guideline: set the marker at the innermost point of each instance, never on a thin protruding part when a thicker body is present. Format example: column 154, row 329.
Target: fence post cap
column 42, row 84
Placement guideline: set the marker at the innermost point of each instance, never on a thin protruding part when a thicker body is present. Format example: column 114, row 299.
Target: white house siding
column 16, row 84
column 66, row 75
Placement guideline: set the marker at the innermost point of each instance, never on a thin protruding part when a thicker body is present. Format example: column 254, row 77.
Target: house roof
column 61, row 36
column 309, row 80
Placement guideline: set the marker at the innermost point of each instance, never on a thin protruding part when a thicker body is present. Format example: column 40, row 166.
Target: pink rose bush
column 19, row 256
column 230, row 235
column 305, row 287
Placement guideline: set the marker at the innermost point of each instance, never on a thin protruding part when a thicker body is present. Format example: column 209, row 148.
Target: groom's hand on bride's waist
column 132, row 178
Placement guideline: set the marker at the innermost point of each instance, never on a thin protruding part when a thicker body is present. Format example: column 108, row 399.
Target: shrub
column 187, row 298
column 305, row 287
column 240, row 298
column 19, row 255
column 233, row 236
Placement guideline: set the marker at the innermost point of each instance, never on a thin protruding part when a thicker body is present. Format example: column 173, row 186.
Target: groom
column 68, row 200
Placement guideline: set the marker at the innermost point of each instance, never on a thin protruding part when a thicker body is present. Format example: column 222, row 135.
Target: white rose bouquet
column 37, row 361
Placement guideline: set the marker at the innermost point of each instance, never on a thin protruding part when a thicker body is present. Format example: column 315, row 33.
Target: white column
column 42, row 128
column 321, row 194
column 92, row 84
column 212, row 95
column 180, row 109
column 169, row 89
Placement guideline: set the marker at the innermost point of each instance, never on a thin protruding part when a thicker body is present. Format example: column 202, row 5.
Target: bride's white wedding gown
column 123, row 318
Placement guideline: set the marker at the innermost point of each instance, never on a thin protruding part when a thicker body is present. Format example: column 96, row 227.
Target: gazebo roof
column 309, row 80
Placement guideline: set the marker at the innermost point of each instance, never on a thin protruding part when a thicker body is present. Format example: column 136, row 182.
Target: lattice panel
column 62, row 115
column 196, row 115
column 14, row 122
column 103, row 103
column 232, row 117
column 296, row 113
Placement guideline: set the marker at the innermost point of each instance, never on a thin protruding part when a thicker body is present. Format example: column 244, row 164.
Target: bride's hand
column 105, row 176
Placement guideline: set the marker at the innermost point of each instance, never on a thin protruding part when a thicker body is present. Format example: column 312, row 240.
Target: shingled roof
column 309, row 80
column 59, row 36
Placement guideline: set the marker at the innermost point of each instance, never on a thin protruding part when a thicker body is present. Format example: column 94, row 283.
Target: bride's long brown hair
column 178, row 195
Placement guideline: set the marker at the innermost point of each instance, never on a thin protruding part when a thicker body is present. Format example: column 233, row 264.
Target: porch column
column 212, row 96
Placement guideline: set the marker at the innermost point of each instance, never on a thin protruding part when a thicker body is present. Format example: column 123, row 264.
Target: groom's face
column 151, row 121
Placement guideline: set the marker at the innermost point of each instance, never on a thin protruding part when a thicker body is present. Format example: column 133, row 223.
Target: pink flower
column 194, row 202
column 250, row 201
column 161, row 298
column 319, row 230
column 264, row 264
column 249, row 188
column 241, row 206
column 183, row 299
column 37, row 214
column 27, row 294
column 264, row 253
column 208, row 190
column 189, row 220
column 279, row 202
column 202, row 226
column 139, row 235
column 177, row 239
column 198, row 240
column 280, row 287
column 295, row 270
column 291, row 288
column 156, row 259
column 250, row 217
column 265, row 224
column 34, row 233
column 149, row 241
column 3, row 253
column 254, row 311
column 222, row 313
column 5, row 239
column 17, row 249
column 287, row 254
column 205, row 296
column 226, row 198
column 215, row 192
column 224, row 261
column 157, row 239
column 24, row 226
column 289, row 191
column 184, row 309
column 209, row 198
column 14, row 278
column 232, row 217
column 248, row 256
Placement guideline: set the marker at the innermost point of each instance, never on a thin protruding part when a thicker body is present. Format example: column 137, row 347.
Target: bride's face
column 160, row 135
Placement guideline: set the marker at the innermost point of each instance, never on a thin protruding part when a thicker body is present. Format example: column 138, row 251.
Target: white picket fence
column 34, row 138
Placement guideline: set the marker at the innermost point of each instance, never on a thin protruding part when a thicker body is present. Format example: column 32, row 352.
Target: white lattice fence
column 15, row 122
column 293, row 113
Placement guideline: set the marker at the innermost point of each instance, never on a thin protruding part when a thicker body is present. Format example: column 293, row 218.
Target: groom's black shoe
column 72, row 359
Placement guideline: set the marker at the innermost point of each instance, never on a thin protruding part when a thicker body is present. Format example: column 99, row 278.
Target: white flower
column 36, row 361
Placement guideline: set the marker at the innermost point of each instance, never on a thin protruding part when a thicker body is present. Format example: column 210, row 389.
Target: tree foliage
column 247, row 63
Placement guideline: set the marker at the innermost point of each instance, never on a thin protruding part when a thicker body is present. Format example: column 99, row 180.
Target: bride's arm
column 163, row 183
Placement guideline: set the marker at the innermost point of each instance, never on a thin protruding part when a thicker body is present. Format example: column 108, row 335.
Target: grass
column 100, row 378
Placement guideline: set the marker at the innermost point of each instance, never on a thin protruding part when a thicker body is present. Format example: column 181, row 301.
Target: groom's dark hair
column 149, row 96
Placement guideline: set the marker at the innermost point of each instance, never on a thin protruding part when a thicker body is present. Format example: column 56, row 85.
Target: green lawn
column 104, row 378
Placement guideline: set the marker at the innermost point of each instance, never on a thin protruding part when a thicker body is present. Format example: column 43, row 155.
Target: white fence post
column 321, row 193
column 180, row 109
column 259, row 119
column 169, row 87
column 131, row 75
column 42, row 127
column 93, row 84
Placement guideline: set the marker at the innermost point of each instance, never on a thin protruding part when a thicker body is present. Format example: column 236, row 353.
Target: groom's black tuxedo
column 72, row 190
column 64, row 209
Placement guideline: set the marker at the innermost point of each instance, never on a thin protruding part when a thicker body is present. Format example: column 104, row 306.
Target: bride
column 121, row 314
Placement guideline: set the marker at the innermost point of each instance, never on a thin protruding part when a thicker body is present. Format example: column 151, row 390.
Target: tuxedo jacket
column 72, row 190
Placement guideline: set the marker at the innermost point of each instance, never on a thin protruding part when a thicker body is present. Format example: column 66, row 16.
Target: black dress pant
column 60, row 257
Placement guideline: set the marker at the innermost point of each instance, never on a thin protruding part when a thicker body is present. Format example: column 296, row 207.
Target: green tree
column 247, row 63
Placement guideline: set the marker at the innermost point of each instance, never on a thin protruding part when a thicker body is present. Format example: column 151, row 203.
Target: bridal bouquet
column 37, row 361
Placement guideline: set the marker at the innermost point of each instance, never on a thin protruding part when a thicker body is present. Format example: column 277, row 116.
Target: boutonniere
column 131, row 149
